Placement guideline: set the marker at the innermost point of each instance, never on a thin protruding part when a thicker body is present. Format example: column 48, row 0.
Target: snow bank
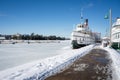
column 115, row 57
column 46, row 67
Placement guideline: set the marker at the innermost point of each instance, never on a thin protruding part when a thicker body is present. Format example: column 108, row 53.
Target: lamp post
column 110, row 19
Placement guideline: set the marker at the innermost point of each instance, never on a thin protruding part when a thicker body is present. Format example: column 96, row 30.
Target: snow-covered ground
column 12, row 55
column 115, row 57
column 42, row 68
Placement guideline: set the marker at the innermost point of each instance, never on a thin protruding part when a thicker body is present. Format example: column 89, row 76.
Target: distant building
column 16, row 36
column 97, row 36
column 105, row 41
column 2, row 38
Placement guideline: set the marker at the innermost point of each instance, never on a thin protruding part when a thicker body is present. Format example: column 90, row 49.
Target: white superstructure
column 115, row 34
column 116, row 31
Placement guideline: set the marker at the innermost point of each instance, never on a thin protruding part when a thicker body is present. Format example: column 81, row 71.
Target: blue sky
column 54, row 17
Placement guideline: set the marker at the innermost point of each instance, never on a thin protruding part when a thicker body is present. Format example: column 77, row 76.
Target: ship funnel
column 86, row 22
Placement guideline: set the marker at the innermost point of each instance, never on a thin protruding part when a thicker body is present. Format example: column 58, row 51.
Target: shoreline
column 30, row 41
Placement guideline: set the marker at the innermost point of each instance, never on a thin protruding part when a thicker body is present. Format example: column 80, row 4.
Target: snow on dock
column 95, row 65
column 46, row 67
column 115, row 57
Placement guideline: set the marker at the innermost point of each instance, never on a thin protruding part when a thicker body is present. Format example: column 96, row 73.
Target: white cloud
column 89, row 5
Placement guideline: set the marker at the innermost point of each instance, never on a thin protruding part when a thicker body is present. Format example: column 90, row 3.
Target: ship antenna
column 81, row 16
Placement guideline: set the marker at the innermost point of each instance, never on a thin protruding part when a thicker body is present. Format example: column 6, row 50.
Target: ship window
column 119, row 35
column 80, row 39
column 116, row 36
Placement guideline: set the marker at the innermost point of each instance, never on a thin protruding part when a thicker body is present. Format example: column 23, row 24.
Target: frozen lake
column 12, row 55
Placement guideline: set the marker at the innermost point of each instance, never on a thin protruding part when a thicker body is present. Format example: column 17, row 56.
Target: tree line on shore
column 32, row 36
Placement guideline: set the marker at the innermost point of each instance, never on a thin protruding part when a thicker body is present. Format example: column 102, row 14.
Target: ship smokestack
column 86, row 22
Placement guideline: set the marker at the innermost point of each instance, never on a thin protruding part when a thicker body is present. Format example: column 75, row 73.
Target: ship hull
column 75, row 45
column 115, row 45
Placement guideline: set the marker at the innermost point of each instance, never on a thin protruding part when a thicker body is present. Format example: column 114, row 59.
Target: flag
column 106, row 16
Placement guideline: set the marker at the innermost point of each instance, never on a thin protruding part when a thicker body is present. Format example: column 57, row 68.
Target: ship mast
column 81, row 16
